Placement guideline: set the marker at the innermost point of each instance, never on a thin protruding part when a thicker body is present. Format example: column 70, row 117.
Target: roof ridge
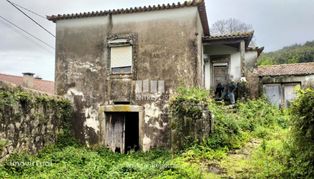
column 233, row 34
column 10, row 75
column 286, row 69
column 16, row 76
column 133, row 9
column 285, row 64
column 200, row 4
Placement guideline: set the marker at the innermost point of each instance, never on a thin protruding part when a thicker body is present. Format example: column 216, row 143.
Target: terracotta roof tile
column 200, row 4
column 246, row 36
column 259, row 50
column 286, row 69
column 230, row 36
column 39, row 85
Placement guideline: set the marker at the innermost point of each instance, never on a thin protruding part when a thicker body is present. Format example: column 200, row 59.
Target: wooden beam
column 219, row 41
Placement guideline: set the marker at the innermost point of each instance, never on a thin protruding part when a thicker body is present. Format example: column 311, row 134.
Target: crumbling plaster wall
column 166, row 47
column 305, row 80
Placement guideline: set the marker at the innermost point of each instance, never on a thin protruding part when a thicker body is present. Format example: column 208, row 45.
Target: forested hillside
column 291, row 54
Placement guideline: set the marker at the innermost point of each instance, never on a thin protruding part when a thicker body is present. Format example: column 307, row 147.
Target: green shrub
column 302, row 150
column 269, row 160
column 226, row 130
column 233, row 128
column 187, row 108
column 259, row 112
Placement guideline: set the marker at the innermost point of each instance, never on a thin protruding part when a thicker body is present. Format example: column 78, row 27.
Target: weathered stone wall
column 166, row 48
column 191, row 121
column 29, row 120
column 306, row 81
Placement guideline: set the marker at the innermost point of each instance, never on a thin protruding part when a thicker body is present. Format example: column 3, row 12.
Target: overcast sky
column 277, row 23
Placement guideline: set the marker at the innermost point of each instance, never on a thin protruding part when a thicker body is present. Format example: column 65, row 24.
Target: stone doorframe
column 122, row 108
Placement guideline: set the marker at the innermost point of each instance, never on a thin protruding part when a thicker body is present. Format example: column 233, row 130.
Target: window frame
column 110, row 59
column 123, row 39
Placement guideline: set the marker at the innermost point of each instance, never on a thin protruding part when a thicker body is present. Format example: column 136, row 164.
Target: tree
column 227, row 26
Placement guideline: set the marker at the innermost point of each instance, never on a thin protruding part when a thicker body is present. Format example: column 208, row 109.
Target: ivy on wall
column 190, row 117
column 31, row 120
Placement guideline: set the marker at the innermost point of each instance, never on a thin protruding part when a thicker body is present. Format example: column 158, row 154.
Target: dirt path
column 237, row 162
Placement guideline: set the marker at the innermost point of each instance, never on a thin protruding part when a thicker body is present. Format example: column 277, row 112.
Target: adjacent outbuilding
column 279, row 82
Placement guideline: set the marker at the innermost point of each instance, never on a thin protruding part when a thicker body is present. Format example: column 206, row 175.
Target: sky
column 277, row 23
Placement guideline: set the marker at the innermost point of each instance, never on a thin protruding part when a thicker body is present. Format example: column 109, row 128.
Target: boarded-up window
column 121, row 59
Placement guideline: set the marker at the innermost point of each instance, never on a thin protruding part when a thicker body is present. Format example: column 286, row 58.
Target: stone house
column 119, row 68
column 279, row 82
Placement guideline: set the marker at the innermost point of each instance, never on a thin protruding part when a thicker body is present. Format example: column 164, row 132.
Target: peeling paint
column 158, row 126
column 91, row 119
column 151, row 111
column 76, row 65
column 83, row 72
column 71, row 93
column 146, row 143
column 74, row 92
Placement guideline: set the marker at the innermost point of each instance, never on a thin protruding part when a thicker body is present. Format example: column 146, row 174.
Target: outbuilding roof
column 259, row 50
column 232, row 37
column 38, row 84
column 200, row 4
column 286, row 69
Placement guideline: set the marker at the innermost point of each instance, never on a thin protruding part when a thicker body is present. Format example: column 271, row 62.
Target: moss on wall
column 190, row 118
column 30, row 120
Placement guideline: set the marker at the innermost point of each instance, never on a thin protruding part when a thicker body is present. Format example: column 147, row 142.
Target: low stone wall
column 30, row 120
column 191, row 121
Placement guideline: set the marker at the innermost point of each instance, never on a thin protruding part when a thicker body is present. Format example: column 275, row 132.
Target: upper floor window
column 120, row 57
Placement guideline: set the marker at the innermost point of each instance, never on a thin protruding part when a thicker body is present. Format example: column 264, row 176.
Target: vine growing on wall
column 190, row 118
column 17, row 103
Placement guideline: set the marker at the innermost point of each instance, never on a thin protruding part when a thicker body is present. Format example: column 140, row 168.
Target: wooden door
column 289, row 93
column 115, row 132
column 273, row 93
column 220, row 75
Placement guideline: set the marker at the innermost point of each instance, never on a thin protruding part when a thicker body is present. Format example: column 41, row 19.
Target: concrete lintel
column 123, row 108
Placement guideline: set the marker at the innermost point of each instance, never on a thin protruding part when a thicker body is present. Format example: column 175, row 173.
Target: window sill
column 121, row 75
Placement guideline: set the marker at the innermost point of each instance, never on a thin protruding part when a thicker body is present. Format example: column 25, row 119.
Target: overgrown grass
column 254, row 120
column 80, row 162
column 225, row 153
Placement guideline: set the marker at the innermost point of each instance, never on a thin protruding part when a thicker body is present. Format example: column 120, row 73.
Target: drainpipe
column 28, row 80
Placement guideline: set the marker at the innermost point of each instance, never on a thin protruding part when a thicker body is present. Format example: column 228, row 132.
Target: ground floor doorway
column 122, row 131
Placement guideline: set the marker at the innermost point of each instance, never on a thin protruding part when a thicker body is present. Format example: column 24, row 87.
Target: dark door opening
column 122, row 131
column 131, row 131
